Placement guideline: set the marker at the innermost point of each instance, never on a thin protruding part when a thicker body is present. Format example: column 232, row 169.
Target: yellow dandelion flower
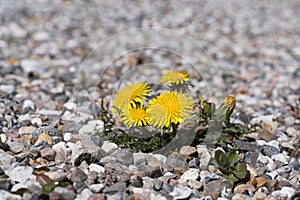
column 135, row 116
column 175, row 77
column 230, row 102
column 132, row 94
column 226, row 108
column 170, row 107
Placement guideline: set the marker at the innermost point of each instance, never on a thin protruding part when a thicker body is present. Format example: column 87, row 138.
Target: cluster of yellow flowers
column 135, row 107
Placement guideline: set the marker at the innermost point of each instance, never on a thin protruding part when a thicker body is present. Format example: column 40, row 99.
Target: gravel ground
column 47, row 72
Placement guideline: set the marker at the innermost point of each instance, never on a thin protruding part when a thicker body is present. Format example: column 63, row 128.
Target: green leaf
column 232, row 157
column 222, row 159
column 49, row 187
column 240, row 171
column 231, row 177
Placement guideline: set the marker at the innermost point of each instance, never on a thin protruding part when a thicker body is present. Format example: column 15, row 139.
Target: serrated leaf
column 240, row 171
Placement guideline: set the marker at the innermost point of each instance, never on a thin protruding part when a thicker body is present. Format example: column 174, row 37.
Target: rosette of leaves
column 232, row 167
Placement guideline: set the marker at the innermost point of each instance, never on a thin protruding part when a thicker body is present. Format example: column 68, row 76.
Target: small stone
column 157, row 184
column 181, row 193
column 85, row 194
column 280, row 157
column 91, row 127
column 28, row 185
column 109, row 146
column 96, row 188
column 117, row 187
column 44, row 137
column 78, row 175
column 217, row 186
column 97, row 168
column 26, row 129
column 123, row 156
column 48, row 153
column 91, row 144
column 68, row 136
column 294, row 165
column 108, row 159
column 79, row 186
column 56, row 196
column 4, row 182
column 43, row 179
column 260, row 182
column 49, row 112
column 16, row 147
column 51, row 131
column 61, row 153
column 204, row 158
column 37, row 121
column 56, row 175
column 206, row 177
column 188, row 150
column 176, row 163
column 21, row 173
column 283, row 183
column 97, row 197
column 167, row 176
column 66, row 193
column 3, row 138
column 167, row 187
column 270, row 150
column 260, row 195
column 9, row 196
column 191, row 174
column 28, row 105
column 143, row 193
column 284, row 193
column 291, row 131
column 252, row 182
column 246, row 146
column 70, row 105
column 195, row 184
column 40, row 36
column 242, row 197
column 7, row 88
column 152, row 161
column 194, row 163
column 243, row 187
column 6, row 160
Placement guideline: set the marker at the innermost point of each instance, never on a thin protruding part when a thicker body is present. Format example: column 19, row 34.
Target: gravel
column 52, row 85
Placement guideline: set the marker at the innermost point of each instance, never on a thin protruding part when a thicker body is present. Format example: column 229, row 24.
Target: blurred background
column 255, row 44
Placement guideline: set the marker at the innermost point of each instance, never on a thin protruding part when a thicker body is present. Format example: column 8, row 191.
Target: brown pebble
column 252, row 181
column 188, row 150
column 195, row 184
column 97, row 197
column 260, row 196
column 283, row 183
column 44, row 137
column 214, row 195
column 261, row 181
column 243, row 187
column 48, row 153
